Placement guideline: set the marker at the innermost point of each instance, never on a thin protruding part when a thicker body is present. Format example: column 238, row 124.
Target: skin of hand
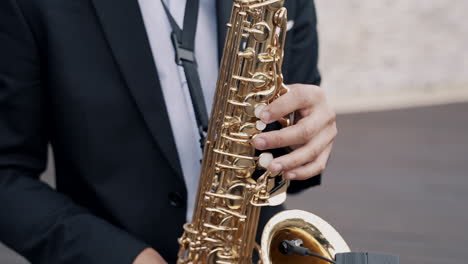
column 311, row 136
column 149, row 256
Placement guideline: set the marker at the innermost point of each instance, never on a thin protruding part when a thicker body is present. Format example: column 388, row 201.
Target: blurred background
column 397, row 182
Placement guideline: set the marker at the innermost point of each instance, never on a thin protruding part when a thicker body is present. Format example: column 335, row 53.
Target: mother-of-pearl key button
column 258, row 109
column 260, row 126
column 265, row 159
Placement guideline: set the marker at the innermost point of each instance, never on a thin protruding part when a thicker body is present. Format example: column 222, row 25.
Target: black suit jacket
column 79, row 75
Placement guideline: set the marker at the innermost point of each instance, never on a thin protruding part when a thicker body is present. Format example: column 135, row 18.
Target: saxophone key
column 260, row 126
column 265, row 159
column 258, row 109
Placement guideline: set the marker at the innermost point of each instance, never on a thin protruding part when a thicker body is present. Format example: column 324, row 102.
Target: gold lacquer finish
column 234, row 183
column 317, row 235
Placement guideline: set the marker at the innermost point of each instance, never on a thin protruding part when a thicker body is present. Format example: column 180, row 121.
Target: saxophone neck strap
column 183, row 41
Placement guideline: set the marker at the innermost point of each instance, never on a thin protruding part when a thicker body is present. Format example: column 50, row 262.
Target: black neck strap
column 184, row 46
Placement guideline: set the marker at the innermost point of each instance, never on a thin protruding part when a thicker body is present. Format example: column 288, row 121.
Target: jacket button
column 176, row 199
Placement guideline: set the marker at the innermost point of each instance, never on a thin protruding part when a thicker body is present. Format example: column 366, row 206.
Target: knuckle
column 267, row 142
column 334, row 131
column 269, row 109
column 275, row 140
column 300, row 97
column 294, row 91
column 332, row 115
column 319, row 92
column 314, row 153
column 301, row 94
column 296, row 162
column 287, row 166
column 305, row 101
column 310, row 92
column 307, row 132
column 303, row 88
column 300, row 175
column 321, row 167
column 291, row 164
column 305, row 174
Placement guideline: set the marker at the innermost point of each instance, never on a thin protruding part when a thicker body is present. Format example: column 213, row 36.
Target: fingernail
column 265, row 116
column 259, row 143
column 291, row 176
column 276, row 167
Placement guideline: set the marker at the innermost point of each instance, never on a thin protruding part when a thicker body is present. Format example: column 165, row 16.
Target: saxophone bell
column 316, row 234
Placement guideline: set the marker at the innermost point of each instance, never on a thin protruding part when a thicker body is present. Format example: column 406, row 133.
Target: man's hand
column 149, row 256
column 311, row 136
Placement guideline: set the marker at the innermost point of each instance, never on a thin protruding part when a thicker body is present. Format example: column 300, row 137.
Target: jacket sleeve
column 304, row 63
column 305, row 45
column 36, row 221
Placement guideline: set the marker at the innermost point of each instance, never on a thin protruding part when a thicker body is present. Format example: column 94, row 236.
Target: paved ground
column 397, row 183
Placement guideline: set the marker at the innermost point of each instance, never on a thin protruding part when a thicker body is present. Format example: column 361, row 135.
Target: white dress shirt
column 173, row 82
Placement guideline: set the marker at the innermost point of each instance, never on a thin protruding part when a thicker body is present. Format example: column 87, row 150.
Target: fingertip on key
column 259, row 143
column 265, row 116
column 276, row 167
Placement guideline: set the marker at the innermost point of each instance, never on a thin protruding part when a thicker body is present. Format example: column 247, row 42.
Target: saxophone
column 234, row 182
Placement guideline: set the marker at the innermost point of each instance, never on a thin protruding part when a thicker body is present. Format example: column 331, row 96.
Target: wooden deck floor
column 397, row 183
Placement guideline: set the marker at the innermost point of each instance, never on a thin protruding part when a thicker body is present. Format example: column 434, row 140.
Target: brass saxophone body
column 234, row 183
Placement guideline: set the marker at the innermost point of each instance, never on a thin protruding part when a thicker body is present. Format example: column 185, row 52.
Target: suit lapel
column 224, row 8
column 123, row 27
